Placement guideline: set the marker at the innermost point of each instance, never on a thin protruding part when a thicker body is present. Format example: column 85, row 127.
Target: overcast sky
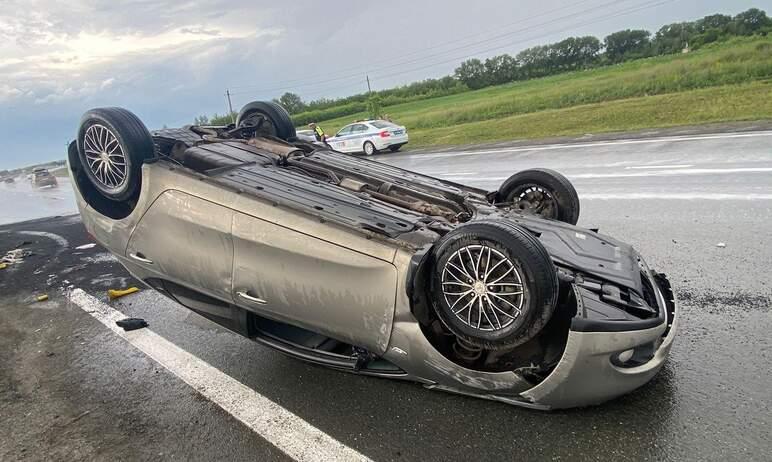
column 169, row 61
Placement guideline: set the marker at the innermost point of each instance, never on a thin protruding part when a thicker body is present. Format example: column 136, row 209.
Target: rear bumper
column 384, row 143
column 588, row 373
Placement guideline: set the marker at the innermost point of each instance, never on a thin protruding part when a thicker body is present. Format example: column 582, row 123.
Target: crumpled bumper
column 587, row 373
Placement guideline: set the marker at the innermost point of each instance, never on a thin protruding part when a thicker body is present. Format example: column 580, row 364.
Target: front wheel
column 112, row 145
column 369, row 148
column 493, row 284
column 542, row 192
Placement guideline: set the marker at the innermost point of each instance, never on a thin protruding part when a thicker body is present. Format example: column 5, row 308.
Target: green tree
column 627, row 44
column 751, row 21
column 374, row 109
column 500, row 69
column 673, row 38
column 472, row 74
column 291, row 102
column 201, row 120
column 714, row 21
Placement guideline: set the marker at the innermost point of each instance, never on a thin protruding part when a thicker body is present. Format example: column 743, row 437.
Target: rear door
column 186, row 240
column 297, row 278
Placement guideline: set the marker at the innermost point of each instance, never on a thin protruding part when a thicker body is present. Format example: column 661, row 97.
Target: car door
column 358, row 137
column 186, row 240
column 294, row 277
column 342, row 140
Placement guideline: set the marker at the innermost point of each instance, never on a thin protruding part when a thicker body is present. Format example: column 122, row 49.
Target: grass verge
column 728, row 103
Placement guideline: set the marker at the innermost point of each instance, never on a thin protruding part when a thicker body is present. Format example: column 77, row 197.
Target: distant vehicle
column 8, row 179
column 306, row 135
column 369, row 136
column 42, row 178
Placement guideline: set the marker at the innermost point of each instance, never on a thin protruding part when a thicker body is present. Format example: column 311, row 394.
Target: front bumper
column 587, row 374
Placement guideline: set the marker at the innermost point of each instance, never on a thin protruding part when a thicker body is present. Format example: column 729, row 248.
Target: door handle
column 245, row 295
column 141, row 258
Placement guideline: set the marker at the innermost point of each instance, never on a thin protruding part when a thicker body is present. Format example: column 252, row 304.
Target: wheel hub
column 483, row 287
column 105, row 156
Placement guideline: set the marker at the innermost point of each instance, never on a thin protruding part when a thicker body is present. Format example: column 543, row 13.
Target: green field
column 727, row 82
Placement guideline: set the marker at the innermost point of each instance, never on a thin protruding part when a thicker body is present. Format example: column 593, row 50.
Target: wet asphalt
column 71, row 389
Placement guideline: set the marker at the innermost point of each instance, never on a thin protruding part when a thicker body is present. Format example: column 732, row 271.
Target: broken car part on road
column 372, row 269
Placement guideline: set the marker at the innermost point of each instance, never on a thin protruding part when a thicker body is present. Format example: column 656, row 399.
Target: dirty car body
column 331, row 259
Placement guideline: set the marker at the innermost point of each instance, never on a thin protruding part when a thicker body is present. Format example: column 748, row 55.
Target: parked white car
column 306, row 135
column 369, row 136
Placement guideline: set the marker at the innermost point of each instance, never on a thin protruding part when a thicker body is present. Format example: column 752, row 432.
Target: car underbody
column 345, row 254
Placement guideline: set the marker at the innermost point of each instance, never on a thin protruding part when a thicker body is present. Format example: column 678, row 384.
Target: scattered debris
column 116, row 293
column 41, row 298
column 85, row 246
column 15, row 256
column 132, row 323
column 720, row 245
column 3, row 265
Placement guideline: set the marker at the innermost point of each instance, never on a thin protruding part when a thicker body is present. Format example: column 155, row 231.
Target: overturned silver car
column 367, row 268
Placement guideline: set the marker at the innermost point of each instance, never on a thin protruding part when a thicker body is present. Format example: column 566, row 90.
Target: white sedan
column 369, row 136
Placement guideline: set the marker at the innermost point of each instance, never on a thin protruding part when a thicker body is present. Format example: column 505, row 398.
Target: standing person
column 318, row 132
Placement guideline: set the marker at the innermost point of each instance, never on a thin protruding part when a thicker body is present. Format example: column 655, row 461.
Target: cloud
column 200, row 31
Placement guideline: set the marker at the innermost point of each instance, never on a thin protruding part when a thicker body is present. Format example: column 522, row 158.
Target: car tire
column 503, row 256
column 112, row 146
column 395, row 148
column 543, row 192
column 369, row 148
column 280, row 125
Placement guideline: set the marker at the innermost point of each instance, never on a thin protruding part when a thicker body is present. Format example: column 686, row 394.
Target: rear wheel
column 268, row 119
column 541, row 192
column 112, row 145
column 493, row 284
column 369, row 148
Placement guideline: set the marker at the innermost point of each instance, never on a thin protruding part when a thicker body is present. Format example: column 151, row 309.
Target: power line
column 359, row 79
column 305, row 82
column 488, row 50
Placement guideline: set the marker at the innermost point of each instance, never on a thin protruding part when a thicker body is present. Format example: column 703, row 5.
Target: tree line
column 587, row 52
column 570, row 54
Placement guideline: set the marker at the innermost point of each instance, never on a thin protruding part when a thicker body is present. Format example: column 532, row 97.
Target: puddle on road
column 19, row 201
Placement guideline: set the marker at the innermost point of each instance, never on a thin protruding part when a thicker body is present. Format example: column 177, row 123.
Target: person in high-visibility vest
column 318, row 132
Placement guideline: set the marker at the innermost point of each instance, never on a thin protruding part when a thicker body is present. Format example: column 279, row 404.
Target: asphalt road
column 71, row 388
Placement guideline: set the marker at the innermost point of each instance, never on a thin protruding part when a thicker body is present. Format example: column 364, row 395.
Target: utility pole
column 368, row 84
column 230, row 105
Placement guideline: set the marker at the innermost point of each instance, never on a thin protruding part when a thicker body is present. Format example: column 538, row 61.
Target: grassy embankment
column 721, row 83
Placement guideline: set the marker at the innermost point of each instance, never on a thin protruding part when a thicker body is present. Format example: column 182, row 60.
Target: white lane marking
column 677, row 172
column 85, row 246
column 280, row 427
column 677, row 196
column 63, row 243
column 643, row 167
column 548, row 147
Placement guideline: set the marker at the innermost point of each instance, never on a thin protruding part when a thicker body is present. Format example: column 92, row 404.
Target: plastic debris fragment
column 116, row 293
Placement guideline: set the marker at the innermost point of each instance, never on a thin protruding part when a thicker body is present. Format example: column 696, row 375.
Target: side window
column 345, row 131
column 360, row 128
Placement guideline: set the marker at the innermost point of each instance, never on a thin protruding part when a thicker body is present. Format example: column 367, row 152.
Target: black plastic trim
column 588, row 325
